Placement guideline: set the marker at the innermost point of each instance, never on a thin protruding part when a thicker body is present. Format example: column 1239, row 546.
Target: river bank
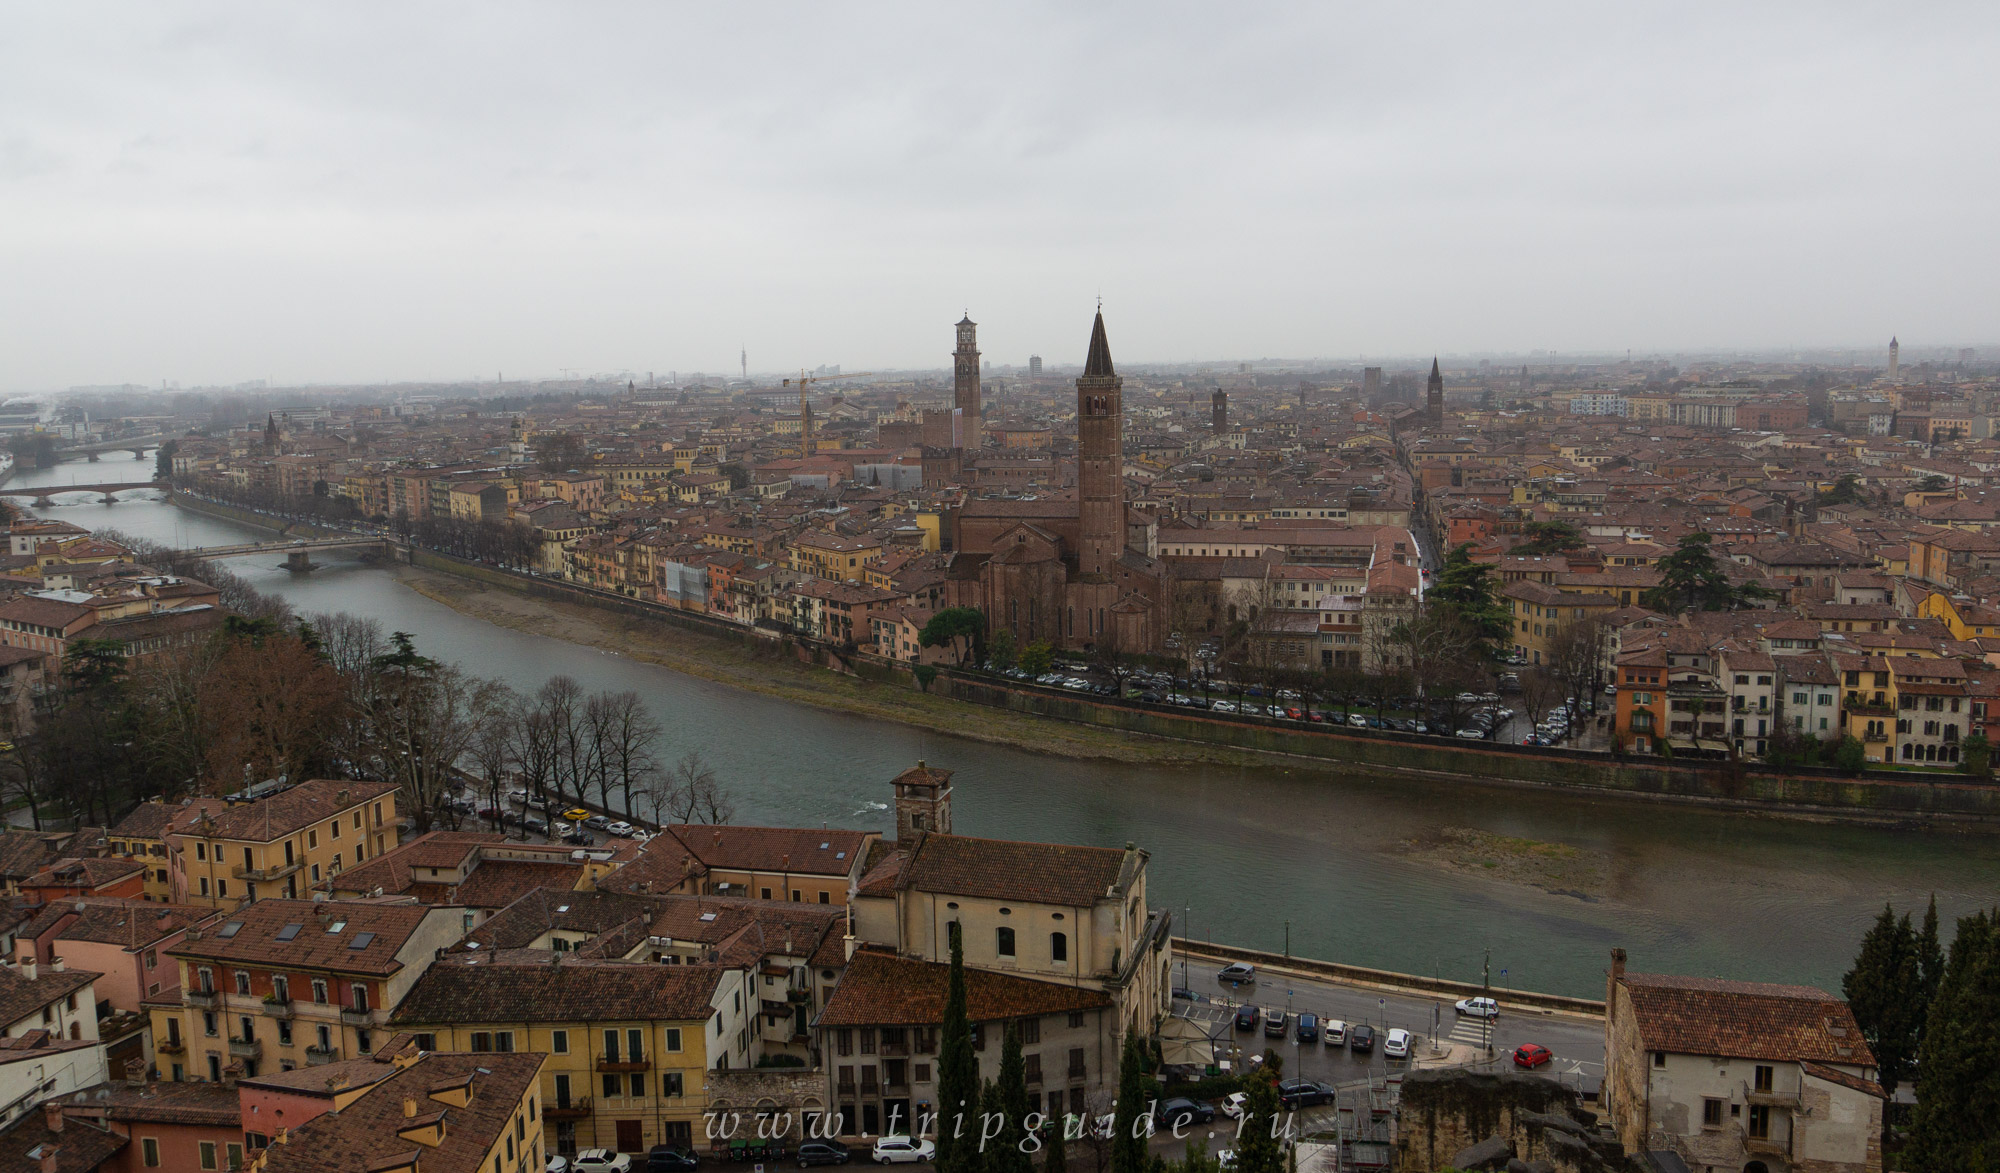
column 772, row 674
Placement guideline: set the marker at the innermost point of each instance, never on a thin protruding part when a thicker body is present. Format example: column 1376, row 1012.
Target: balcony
column 315, row 1056
column 277, row 1007
column 624, row 1065
column 353, row 1016
column 1775, row 1099
column 1764, row 1146
column 201, row 999
column 171, row 1047
column 844, row 1091
column 267, row 875
column 573, row 1110
column 895, row 1048
column 246, row 1049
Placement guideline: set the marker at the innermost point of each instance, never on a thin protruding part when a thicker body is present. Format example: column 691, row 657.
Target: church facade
column 1065, row 570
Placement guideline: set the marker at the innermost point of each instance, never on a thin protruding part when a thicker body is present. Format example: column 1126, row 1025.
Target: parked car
column 1237, row 974
column 1186, row 995
column 621, row 828
column 1275, row 1020
column 1235, row 1104
column 1308, row 1030
column 1531, row 1055
column 665, row 1158
column 1181, row 1112
column 1397, row 1044
column 578, row 836
column 518, row 797
column 1294, row 1094
column 1336, row 1033
column 598, row 822
column 576, row 814
column 1477, row 1007
column 902, row 1150
column 1361, row 1040
column 557, row 1164
column 1247, row 1016
column 535, row 824
column 823, row 1152
column 601, row 1161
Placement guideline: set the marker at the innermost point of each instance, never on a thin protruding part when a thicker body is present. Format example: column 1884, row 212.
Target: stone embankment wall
column 1359, row 975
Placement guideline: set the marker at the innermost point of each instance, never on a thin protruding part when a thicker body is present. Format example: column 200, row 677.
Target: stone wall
column 773, row 1101
column 1454, row 1118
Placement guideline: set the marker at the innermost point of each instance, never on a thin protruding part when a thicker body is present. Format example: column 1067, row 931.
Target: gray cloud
column 343, row 192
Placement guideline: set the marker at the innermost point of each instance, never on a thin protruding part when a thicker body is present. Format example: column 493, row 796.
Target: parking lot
column 518, row 816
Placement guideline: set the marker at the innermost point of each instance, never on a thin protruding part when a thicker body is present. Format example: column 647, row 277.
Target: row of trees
column 273, row 695
column 1935, row 1018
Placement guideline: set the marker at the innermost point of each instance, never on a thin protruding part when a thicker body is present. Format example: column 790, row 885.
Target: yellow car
column 576, row 814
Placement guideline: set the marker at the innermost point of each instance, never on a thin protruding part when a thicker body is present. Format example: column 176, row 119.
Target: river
column 1252, row 854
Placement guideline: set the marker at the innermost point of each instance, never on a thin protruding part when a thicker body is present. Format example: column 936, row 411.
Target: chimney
column 409, row 1108
column 52, row 1115
column 29, row 968
column 56, row 965
column 47, row 1154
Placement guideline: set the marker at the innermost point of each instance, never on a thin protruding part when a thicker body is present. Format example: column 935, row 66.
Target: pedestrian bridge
column 298, row 551
column 45, row 495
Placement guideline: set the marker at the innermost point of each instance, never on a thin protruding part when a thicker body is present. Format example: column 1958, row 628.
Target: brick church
column 1065, row 570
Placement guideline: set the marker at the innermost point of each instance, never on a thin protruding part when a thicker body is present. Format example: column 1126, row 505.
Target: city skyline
column 315, row 197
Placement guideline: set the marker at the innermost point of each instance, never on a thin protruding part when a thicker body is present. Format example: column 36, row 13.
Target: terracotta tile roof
column 312, row 945
column 661, row 865
column 395, row 869
column 168, row 1103
column 1744, row 1020
column 1004, row 869
column 1851, row 1082
column 321, row 1080
column 469, row 988
column 367, row 1133
column 499, row 883
column 21, row 996
column 148, row 820
column 535, row 913
column 23, row 854
column 804, row 850
column 83, row 873
column 133, row 924
column 880, row 988
column 266, row 819
column 80, row 1147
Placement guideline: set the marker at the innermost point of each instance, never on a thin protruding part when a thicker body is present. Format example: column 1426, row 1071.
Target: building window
column 1659, row 1058
column 670, row 1084
column 1058, row 947
column 1005, row 941
column 559, row 1042
column 614, row 1085
column 1711, row 1113
column 149, row 1153
column 673, row 1038
column 208, row 1154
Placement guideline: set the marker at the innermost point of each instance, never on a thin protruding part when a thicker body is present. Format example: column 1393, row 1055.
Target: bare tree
column 561, row 702
column 628, row 736
column 1540, row 690
column 349, row 642
column 1576, row 655
column 491, row 756
column 172, row 734
column 695, row 794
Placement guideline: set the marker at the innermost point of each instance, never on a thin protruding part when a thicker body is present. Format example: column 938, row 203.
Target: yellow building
column 832, row 557
column 1965, row 618
column 629, row 1044
column 220, row 851
column 1541, row 612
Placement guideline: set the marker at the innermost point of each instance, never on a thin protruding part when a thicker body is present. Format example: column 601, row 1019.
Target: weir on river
column 1417, row 876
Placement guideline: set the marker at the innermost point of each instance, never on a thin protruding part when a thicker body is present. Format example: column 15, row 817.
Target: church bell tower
column 1100, row 460
column 923, row 802
column 965, row 382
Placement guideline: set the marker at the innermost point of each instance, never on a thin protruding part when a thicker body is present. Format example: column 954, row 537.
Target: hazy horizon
column 219, row 193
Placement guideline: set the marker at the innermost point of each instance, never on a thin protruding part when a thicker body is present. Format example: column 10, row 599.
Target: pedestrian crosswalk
column 1469, row 1030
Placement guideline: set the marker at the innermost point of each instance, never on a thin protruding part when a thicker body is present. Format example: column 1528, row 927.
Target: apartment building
column 222, row 851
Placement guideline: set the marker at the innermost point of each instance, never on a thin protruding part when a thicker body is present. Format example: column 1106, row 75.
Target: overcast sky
column 349, row 192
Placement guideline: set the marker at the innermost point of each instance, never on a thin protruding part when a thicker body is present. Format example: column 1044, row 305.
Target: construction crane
column 805, row 383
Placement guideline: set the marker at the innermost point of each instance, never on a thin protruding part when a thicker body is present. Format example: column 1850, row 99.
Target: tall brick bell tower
column 965, row 383
column 1100, row 460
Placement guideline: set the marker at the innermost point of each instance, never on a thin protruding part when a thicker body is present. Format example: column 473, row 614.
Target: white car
column 894, row 1149
column 1234, row 1105
column 620, row 828
column 1397, row 1045
column 557, row 1164
column 1477, row 1007
column 1335, row 1033
column 601, row 1161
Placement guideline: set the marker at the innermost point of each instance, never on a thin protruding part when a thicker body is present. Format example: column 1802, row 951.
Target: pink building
column 123, row 940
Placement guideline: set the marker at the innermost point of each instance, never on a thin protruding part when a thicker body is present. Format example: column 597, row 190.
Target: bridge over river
column 45, row 495
column 298, row 551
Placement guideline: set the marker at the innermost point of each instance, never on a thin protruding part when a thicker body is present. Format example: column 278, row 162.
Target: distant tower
column 272, row 437
column 1895, row 358
column 923, row 802
column 1371, row 383
column 1218, row 412
column 1434, row 396
column 965, row 381
column 1034, row 366
column 1100, row 459
column 744, row 358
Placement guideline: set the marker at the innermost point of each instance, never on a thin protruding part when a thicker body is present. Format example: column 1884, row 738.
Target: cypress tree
column 1055, row 1155
column 987, row 1156
column 1128, row 1152
column 1930, row 959
column 958, row 1076
column 1012, row 1093
column 1257, row 1150
column 1883, row 991
column 1956, row 1128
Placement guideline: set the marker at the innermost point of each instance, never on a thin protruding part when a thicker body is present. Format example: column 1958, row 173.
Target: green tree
column 1548, row 537
column 1055, row 1151
column 1004, row 1153
column 1257, row 1148
column 958, row 1074
column 1976, row 756
column 1884, row 990
column 1037, row 658
column 1846, row 491
column 1465, row 591
column 1692, row 580
column 163, row 460
column 1956, row 1127
column 1850, row 755
column 1000, row 652
column 962, row 629
column 1930, row 959
column 1128, row 1119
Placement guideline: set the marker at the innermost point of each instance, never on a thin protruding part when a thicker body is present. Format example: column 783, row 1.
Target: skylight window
column 229, row 930
column 361, row 941
column 708, row 916
column 336, row 926
column 289, row 931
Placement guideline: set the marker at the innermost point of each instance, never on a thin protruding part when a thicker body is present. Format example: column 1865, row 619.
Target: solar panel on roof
column 361, row 940
column 289, row 931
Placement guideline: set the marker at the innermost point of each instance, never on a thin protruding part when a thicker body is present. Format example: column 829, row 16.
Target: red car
column 1531, row 1055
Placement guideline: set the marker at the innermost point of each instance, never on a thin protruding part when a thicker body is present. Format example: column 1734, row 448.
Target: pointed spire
column 1098, row 365
column 1435, row 373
